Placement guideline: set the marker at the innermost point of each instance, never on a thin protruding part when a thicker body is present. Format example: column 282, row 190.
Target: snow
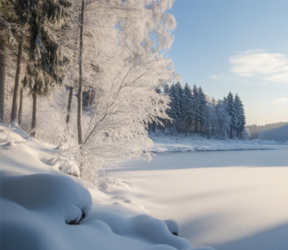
column 181, row 143
column 39, row 203
column 227, row 200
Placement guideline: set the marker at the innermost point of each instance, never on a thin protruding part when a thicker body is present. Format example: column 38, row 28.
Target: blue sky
column 237, row 46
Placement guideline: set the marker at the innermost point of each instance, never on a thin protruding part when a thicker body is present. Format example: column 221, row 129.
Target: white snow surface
column 228, row 200
column 37, row 201
column 181, row 143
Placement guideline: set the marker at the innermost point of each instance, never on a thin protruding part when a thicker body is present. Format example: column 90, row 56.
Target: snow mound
column 43, row 208
column 173, row 226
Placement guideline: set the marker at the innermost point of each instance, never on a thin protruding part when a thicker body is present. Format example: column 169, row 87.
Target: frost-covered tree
column 188, row 112
column 44, row 68
column 241, row 120
column 203, row 115
column 212, row 118
column 174, row 111
column 196, row 105
column 6, row 38
column 223, row 120
column 120, row 38
column 233, row 114
column 179, row 96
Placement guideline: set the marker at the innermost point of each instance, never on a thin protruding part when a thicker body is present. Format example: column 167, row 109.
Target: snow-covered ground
column 44, row 208
column 233, row 200
column 181, row 143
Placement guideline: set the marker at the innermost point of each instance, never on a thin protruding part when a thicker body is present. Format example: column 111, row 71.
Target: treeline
column 256, row 130
column 193, row 112
column 279, row 134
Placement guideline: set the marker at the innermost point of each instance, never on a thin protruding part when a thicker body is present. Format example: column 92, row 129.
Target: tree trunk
column 79, row 111
column 34, row 110
column 14, row 111
column 69, row 105
column 2, row 79
column 20, row 107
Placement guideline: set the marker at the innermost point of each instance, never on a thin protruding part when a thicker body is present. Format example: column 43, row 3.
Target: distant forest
column 256, row 130
column 193, row 112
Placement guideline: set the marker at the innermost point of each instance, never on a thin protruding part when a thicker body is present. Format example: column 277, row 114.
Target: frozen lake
column 233, row 200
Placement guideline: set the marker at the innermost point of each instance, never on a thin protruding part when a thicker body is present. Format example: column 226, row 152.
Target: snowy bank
column 44, row 208
column 180, row 143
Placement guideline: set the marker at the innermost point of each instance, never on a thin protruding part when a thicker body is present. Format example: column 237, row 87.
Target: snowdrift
column 44, row 208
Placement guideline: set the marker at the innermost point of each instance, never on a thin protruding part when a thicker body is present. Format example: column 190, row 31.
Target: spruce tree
column 188, row 109
column 179, row 97
column 233, row 114
column 7, row 26
column 241, row 120
column 202, row 110
column 174, row 111
column 45, row 66
column 212, row 118
column 196, row 105
column 223, row 119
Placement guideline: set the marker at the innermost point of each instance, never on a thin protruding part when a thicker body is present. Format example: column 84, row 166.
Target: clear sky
column 239, row 46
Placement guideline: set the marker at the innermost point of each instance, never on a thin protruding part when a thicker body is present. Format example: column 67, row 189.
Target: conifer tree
column 203, row 109
column 45, row 66
column 179, row 98
column 188, row 109
column 196, row 109
column 241, row 120
column 233, row 114
column 174, row 110
column 6, row 38
column 212, row 118
column 223, row 119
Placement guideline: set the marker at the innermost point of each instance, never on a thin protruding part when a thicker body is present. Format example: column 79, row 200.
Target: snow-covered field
column 234, row 200
column 44, row 208
column 226, row 200
column 181, row 143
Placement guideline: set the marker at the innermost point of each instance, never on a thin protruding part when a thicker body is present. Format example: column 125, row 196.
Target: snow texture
column 229, row 200
column 180, row 143
column 44, row 208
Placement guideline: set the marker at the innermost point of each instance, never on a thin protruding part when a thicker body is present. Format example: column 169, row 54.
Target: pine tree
column 241, row 120
column 212, row 118
column 6, row 39
column 223, row 120
column 188, row 109
column 196, row 105
column 45, row 66
column 179, row 97
column 233, row 114
column 202, row 110
column 172, row 111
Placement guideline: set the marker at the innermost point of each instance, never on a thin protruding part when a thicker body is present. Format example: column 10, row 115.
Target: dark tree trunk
column 34, row 110
column 2, row 79
column 20, row 107
column 69, row 105
column 79, row 111
column 14, row 110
